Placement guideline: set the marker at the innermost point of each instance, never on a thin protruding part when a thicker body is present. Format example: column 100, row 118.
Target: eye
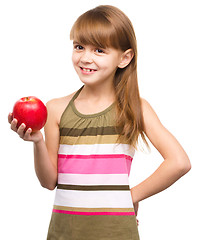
column 78, row 47
column 98, row 50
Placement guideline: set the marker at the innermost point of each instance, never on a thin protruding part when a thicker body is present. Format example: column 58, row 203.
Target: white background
column 35, row 59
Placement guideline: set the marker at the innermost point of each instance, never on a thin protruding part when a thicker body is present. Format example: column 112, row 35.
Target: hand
column 136, row 206
column 27, row 135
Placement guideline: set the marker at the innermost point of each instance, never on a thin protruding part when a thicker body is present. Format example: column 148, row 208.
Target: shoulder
column 148, row 112
column 158, row 135
column 56, row 106
column 59, row 102
column 153, row 127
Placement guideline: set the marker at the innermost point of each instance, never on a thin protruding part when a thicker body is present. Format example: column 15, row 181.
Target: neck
column 98, row 92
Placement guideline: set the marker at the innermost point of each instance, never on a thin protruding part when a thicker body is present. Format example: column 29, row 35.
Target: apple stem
column 26, row 98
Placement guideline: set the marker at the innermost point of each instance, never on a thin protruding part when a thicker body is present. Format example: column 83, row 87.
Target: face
column 95, row 65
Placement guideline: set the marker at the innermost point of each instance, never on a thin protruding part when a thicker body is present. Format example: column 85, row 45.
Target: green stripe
column 69, row 119
column 69, row 227
column 94, row 188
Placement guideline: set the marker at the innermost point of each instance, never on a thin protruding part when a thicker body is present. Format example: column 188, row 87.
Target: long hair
column 107, row 26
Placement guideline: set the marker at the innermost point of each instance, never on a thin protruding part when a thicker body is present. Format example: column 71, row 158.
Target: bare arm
column 46, row 170
column 45, row 155
column 45, row 152
column 176, row 162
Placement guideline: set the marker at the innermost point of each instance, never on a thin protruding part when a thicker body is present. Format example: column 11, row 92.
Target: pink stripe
column 96, row 156
column 94, row 164
column 93, row 213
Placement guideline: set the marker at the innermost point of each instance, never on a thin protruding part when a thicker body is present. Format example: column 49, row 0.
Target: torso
column 93, row 199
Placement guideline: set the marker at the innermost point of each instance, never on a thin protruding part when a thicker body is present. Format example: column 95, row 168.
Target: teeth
column 87, row 70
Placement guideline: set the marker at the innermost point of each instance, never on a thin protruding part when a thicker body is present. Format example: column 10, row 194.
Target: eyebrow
column 74, row 42
column 105, row 48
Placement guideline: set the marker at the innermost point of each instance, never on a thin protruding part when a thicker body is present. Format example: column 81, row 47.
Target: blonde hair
column 107, row 26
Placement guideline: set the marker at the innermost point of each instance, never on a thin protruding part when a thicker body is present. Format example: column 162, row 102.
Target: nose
column 86, row 57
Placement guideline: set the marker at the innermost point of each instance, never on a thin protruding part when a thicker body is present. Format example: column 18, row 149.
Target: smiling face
column 101, row 39
column 95, row 65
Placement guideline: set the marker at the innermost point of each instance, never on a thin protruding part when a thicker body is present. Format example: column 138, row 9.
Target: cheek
column 109, row 65
column 74, row 58
column 102, row 63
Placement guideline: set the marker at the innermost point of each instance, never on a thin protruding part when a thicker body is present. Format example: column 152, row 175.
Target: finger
column 21, row 129
column 10, row 117
column 27, row 134
column 136, row 212
column 137, row 222
column 14, row 124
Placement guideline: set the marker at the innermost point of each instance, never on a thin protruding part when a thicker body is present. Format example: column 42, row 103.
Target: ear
column 126, row 58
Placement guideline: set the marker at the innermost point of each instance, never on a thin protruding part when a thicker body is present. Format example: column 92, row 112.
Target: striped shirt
column 93, row 199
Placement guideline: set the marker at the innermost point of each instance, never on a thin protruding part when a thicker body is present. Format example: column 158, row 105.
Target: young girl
column 91, row 136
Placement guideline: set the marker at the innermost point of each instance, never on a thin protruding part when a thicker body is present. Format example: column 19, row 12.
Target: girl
column 91, row 136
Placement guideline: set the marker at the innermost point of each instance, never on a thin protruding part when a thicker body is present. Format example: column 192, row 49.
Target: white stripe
column 93, row 179
column 87, row 149
column 93, row 199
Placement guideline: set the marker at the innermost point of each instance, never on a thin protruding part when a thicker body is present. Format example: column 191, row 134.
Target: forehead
column 94, row 32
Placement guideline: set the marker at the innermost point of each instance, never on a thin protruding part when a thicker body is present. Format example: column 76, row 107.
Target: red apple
column 31, row 111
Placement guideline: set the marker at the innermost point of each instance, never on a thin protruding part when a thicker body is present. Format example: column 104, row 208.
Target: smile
column 87, row 70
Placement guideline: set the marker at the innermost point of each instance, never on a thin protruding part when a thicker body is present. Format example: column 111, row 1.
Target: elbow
column 48, row 184
column 187, row 168
column 184, row 166
column 50, row 187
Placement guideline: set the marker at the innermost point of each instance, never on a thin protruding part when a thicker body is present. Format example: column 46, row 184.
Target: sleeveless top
column 93, row 199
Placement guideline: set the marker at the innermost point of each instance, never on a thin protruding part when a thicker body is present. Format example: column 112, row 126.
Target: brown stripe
column 94, row 188
column 91, row 131
column 93, row 209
